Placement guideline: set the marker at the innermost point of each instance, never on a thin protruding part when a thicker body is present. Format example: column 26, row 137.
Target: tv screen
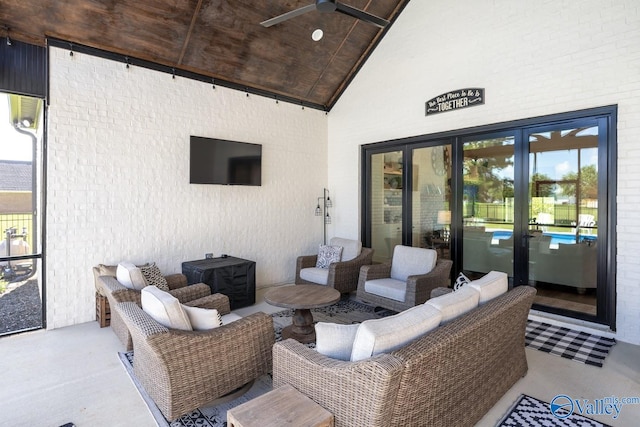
column 217, row 161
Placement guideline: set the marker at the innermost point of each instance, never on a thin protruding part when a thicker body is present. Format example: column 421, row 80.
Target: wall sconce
column 325, row 201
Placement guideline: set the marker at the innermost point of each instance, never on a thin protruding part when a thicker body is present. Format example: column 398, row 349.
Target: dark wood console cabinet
column 233, row 277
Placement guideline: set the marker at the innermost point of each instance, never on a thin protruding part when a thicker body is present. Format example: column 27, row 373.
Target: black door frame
column 606, row 118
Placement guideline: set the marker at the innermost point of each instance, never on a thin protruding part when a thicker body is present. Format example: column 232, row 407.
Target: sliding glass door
column 563, row 213
column 385, row 203
column 488, row 204
column 535, row 199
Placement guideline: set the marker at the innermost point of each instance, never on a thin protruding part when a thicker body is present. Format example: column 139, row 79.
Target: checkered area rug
column 575, row 345
column 528, row 411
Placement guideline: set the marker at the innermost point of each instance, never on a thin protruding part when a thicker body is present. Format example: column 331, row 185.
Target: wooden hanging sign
column 455, row 100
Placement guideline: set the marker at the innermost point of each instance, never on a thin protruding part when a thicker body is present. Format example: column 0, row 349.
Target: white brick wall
column 118, row 178
column 533, row 58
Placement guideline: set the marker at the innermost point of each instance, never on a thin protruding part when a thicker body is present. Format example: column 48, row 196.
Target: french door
column 535, row 200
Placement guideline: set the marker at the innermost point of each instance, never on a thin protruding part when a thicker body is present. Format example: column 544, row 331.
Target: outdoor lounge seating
column 198, row 295
column 450, row 376
column 182, row 370
column 405, row 282
column 341, row 275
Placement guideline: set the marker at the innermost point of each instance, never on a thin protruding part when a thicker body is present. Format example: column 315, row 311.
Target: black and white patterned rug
column 575, row 345
column 528, row 411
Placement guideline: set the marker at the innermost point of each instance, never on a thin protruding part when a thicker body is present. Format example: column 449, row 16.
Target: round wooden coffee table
column 302, row 298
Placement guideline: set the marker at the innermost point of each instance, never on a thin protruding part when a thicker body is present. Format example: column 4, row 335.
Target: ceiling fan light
column 317, row 35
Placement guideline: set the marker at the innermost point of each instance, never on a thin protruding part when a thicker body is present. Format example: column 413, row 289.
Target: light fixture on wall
column 8, row 39
column 325, row 201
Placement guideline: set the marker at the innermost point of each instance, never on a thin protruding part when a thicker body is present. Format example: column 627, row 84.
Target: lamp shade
column 444, row 217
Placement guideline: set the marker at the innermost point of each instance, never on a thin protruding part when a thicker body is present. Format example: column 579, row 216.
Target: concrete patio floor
column 73, row 374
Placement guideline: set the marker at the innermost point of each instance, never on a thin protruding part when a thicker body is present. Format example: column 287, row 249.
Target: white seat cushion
column 334, row 340
column 164, row 308
column 491, row 285
column 203, row 319
column 350, row 248
column 390, row 333
column 408, row 261
column 231, row 317
column 315, row 275
column 388, row 288
column 130, row 276
column 456, row 303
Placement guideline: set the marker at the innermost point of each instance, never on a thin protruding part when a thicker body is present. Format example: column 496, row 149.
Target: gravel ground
column 20, row 307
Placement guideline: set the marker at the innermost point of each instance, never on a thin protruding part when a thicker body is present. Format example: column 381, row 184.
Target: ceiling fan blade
column 288, row 15
column 361, row 15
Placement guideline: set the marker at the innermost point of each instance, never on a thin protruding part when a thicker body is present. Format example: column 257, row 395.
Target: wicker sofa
column 198, row 295
column 449, row 377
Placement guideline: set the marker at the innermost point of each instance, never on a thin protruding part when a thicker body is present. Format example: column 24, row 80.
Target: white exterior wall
column 533, row 59
column 118, row 178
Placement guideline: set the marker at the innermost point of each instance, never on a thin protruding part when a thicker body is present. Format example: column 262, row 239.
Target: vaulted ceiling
column 221, row 39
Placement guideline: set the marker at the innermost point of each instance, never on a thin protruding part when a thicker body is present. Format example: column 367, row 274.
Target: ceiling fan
column 326, row 6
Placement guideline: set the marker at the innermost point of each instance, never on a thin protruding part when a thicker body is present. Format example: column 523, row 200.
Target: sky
column 13, row 145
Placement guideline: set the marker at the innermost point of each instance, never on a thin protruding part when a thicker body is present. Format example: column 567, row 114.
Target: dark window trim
column 609, row 113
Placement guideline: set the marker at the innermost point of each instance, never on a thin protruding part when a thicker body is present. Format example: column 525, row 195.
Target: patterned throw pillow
column 461, row 281
column 154, row 277
column 328, row 254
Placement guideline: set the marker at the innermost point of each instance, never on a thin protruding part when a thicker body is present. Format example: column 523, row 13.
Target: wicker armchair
column 418, row 286
column 475, row 358
column 183, row 370
column 198, row 295
column 342, row 276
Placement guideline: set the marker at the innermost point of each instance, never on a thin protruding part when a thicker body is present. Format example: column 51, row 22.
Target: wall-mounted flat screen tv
column 217, row 161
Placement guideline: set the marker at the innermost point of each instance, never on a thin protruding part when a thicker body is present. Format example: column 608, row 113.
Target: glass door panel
column 386, row 203
column 21, row 130
column 488, row 206
column 431, row 193
column 563, row 217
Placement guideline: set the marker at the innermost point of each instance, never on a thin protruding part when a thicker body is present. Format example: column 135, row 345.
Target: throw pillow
column 130, row 276
column 164, row 308
column 334, row 340
column 203, row 319
column 328, row 254
column 461, row 281
column 154, row 277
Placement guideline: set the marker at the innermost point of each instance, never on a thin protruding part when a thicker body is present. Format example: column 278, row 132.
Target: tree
column 588, row 181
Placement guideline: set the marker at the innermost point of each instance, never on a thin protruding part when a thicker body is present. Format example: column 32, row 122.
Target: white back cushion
column 164, row 308
column 350, row 248
column 491, row 285
column 130, row 276
column 456, row 303
column 389, row 333
column 202, row 319
column 408, row 261
column 335, row 340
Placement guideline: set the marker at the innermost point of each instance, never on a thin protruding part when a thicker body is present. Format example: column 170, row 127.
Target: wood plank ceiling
column 221, row 39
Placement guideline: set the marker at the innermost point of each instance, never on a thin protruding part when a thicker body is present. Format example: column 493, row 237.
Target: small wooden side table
column 302, row 298
column 282, row 407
